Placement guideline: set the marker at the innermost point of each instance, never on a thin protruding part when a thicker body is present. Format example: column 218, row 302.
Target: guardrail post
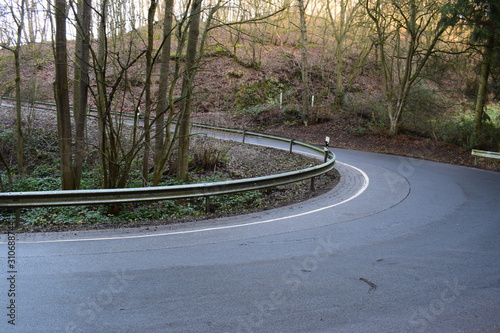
column 291, row 145
column 207, row 204
column 244, row 134
column 18, row 217
column 312, row 188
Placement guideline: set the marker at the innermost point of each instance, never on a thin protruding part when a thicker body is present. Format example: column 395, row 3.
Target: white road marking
column 357, row 194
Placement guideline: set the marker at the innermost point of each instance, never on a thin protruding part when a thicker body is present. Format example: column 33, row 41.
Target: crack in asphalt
column 372, row 285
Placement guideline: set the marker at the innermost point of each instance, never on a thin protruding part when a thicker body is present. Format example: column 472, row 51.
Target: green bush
column 43, row 171
column 235, row 202
column 262, row 92
column 424, row 105
column 25, row 183
column 147, row 211
column 368, row 108
column 461, row 133
column 291, row 114
column 90, row 180
column 7, row 142
column 65, row 215
column 359, row 131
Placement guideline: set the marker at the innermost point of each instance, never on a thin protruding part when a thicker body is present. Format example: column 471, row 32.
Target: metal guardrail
column 483, row 153
column 17, row 200
column 50, row 106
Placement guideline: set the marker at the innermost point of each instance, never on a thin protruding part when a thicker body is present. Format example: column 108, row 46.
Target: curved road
column 401, row 245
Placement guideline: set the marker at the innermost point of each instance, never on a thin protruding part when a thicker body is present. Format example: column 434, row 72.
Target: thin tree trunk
column 483, row 84
column 19, row 127
column 162, row 131
column 339, row 51
column 101, row 100
column 187, row 90
column 304, row 63
column 81, row 84
column 17, row 65
column 62, row 97
column 32, row 19
column 147, row 113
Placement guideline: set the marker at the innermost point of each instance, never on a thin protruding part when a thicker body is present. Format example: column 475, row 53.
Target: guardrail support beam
column 312, row 187
column 207, row 204
column 18, row 218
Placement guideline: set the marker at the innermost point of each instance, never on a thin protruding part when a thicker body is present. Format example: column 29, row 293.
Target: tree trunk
column 32, row 20
column 483, row 84
column 19, row 127
column 339, row 72
column 187, row 90
column 101, row 98
column 81, row 84
column 395, row 111
column 304, row 63
column 339, row 52
column 62, row 97
column 162, row 131
column 17, row 65
column 147, row 113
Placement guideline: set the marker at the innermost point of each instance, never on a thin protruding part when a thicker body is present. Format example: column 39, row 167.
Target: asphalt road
column 401, row 245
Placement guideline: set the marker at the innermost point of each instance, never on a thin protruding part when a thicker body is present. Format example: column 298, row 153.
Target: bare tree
column 32, row 20
column 147, row 87
column 81, row 84
column 16, row 13
column 163, row 142
column 118, row 148
column 407, row 34
column 304, row 67
column 187, row 90
column 62, row 96
column 349, row 34
column 483, row 83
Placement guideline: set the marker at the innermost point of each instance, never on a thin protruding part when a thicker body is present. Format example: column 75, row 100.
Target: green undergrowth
column 37, row 219
column 46, row 179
